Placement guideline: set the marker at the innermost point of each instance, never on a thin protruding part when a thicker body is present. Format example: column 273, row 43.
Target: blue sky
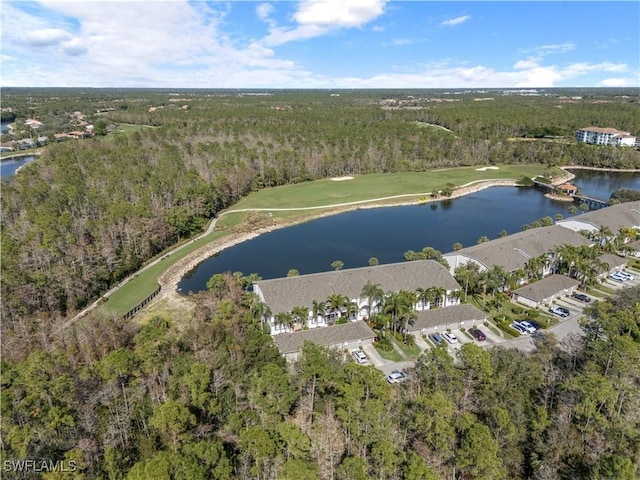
column 320, row 44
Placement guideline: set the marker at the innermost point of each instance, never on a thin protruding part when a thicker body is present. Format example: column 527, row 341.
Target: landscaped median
column 290, row 204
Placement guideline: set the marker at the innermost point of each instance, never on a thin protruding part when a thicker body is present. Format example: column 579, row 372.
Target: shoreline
column 171, row 277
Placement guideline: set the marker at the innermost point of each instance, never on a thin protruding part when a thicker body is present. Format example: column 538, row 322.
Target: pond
column 386, row 233
column 10, row 166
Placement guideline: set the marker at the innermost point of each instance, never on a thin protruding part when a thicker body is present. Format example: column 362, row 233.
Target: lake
column 386, row 233
column 9, row 166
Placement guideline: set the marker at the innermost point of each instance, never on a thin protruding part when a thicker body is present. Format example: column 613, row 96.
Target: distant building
column 605, row 136
column 568, row 189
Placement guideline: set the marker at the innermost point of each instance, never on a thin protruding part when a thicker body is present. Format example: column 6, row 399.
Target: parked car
column 397, row 376
column 528, row 326
column 560, row 311
column 626, row 275
column 519, row 328
column 535, row 325
column 359, row 355
column 617, row 277
column 450, row 337
column 436, row 338
column 478, row 334
column 582, row 297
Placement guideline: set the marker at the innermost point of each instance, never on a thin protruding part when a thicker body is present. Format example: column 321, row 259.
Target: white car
column 519, row 328
column 528, row 327
column 626, row 275
column 450, row 337
column 617, row 277
column 359, row 355
column 397, row 376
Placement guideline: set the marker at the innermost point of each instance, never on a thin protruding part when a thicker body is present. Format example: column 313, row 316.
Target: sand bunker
column 484, row 169
column 341, row 179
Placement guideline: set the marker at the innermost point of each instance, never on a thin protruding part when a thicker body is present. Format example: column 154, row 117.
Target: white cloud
column 315, row 18
column 74, row 47
column 618, row 82
column 264, row 12
column 338, row 13
column 544, row 50
column 396, row 42
column 456, row 21
column 526, row 64
column 45, row 37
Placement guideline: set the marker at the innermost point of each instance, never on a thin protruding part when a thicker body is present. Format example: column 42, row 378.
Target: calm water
column 386, row 233
column 9, row 166
column 4, row 126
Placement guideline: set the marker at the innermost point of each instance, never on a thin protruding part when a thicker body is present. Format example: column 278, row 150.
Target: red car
column 477, row 334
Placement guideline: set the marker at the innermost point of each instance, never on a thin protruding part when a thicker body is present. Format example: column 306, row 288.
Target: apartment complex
column 606, row 136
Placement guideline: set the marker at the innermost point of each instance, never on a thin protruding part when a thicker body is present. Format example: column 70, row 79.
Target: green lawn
column 412, row 352
column 377, row 185
column 143, row 284
column 390, row 355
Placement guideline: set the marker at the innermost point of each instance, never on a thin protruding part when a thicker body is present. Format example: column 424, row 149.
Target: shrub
column 384, row 344
column 517, row 310
column 410, row 340
column 532, row 313
column 341, row 320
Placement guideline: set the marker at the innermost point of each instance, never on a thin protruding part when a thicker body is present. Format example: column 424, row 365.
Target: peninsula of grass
column 143, row 284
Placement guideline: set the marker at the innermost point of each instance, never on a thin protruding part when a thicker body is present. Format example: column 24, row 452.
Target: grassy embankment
column 366, row 187
column 315, row 194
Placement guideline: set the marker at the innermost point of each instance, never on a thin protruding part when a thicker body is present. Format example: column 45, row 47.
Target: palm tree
column 318, row 309
column 352, row 308
column 373, row 292
column 284, row 319
column 627, row 234
column 300, row 315
column 335, row 304
column 441, row 296
column 425, row 296
column 535, row 265
column 604, row 237
column 398, row 304
column 259, row 309
column 337, row 265
column 514, row 278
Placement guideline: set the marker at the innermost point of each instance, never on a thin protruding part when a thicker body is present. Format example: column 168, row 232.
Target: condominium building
column 605, row 136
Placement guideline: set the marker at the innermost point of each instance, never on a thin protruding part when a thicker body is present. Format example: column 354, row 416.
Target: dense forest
column 211, row 397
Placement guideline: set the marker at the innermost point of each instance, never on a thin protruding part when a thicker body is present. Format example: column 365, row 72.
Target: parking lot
column 565, row 326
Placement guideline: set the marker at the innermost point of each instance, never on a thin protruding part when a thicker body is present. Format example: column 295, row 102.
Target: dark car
column 582, row 297
column 477, row 334
column 436, row 338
